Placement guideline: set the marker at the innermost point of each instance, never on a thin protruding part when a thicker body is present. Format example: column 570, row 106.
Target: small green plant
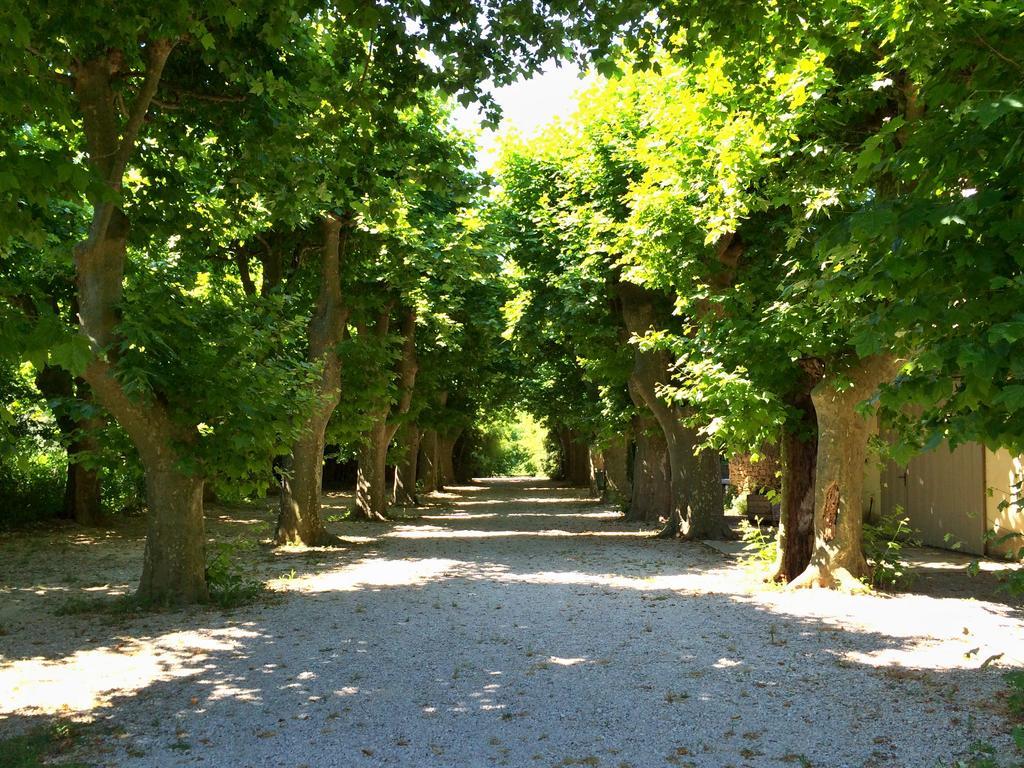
column 1015, row 704
column 738, row 505
column 229, row 583
column 112, row 605
column 38, row 747
column 883, row 545
column 1014, row 580
column 760, row 545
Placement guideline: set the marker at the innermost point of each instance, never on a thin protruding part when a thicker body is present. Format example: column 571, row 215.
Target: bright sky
column 527, row 106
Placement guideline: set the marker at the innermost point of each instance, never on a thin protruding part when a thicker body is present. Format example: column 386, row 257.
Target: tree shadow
column 540, row 643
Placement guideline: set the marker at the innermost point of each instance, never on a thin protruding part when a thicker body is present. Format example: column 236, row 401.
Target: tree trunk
column 698, row 498
column 463, row 471
column 83, row 498
column 577, row 459
column 651, row 497
column 799, row 454
column 371, row 481
column 298, row 520
column 371, row 478
column 616, row 472
column 174, row 565
column 837, row 559
column 83, row 492
column 445, row 457
column 404, row 492
column 429, row 471
column 301, row 481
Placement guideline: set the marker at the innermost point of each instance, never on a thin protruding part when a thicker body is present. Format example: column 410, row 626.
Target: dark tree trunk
column 618, row 488
column 371, row 478
column 463, row 470
column 404, row 492
column 83, row 491
column 371, row 481
column 837, row 558
column 446, row 457
column 299, row 520
column 698, row 499
column 429, row 471
column 651, row 497
column 83, row 497
column 799, row 454
column 577, row 458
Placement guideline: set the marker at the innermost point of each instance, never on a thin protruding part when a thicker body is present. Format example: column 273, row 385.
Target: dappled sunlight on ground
column 514, row 619
column 376, row 572
column 86, row 679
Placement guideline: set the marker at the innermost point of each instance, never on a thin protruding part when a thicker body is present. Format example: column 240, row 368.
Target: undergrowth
column 40, row 746
column 760, row 546
column 884, row 541
column 229, row 582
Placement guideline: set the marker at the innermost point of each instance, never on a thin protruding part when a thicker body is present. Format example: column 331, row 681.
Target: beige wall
column 942, row 492
column 1004, row 503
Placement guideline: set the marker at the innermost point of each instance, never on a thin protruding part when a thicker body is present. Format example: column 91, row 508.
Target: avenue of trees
column 237, row 236
column 783, row 224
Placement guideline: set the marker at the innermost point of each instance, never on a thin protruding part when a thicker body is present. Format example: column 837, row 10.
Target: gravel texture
column 513, row 624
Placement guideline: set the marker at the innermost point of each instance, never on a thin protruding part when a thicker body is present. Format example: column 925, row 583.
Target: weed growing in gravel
column 39, row 746
column 229, row 583
column 760, row 546
column 985, row 755
column 109, row 605
column 883, row 545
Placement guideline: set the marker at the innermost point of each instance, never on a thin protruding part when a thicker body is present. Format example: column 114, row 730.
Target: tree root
column 820, row 576
column 370, row 516
column 322, row 539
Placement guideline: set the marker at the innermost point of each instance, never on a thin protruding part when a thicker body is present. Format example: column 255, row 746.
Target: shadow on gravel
column 439, row 642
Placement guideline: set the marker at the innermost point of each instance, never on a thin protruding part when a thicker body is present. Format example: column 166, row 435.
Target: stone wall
column 747, row 476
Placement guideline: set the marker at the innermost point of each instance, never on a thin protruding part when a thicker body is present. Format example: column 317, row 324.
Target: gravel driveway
column 515, row 624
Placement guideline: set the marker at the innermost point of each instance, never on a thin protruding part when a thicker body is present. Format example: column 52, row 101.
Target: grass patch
column 40, row 747
column 107, row 605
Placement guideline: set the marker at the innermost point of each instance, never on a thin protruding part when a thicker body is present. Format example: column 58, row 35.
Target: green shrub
column 760, row 545
column 31, row 488
column 230, row 584
column 883, row 546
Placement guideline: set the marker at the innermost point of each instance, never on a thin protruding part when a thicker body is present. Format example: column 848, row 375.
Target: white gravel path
column 522, row 627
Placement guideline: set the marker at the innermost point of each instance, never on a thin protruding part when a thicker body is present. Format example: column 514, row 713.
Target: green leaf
column 72, row 355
